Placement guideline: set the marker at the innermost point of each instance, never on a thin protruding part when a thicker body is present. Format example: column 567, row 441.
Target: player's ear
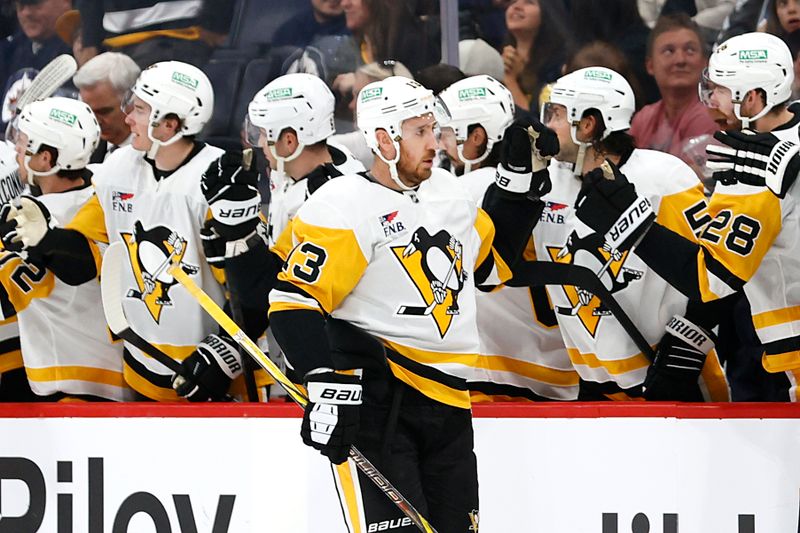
column 289, row 137
column 587, row 128
column 478, row 136
column 385, row 143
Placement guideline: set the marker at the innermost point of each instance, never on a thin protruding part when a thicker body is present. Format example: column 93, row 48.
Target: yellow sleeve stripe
column 179, row 353
column 280, row 305
column 76, row 373
column 622, row 397
column 347, row 479
column 485, row 228
column 672, row 207
column 326, row 264
column 142, row 386
column 430, row 388
column 90, row 221
column 781, row 362
column 426, row 357
column 552, row 376
column 10, row 361
column 9, row 320
column 713, row 377
column 617, row 367
column 777, row 317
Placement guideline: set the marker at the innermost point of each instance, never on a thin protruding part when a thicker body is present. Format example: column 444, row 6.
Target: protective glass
column 255, row 136
column 552, row 112
column 707, row 90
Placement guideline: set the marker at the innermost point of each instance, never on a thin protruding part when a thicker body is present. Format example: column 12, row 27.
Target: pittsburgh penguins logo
column 434, row 264
column 474, row 518
column 151, row 253
column 585, row 305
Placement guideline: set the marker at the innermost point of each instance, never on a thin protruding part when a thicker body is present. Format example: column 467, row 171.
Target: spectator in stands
column 36, row 42
column 603, row 54
column 323, row 17
column 783, row 18
column 676, row 58
column 538, row 44
column 439, row 77
column 620, row 24
column 104, row 82
column 364, row 75
column 176, row 31
column 388, row 29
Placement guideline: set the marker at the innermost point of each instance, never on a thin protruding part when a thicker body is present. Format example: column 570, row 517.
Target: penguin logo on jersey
column 151, row 253
column 585, row 305
column 474, row 518
column 434, row 264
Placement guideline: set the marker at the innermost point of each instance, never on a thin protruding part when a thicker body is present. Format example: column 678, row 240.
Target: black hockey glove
column 331, row 418
column 217, row 248
column 609, row 205
column 527, row 145
column 680, row 357
column 24, row 225
column 209, row 370
column 232, row 194
column 759, row 159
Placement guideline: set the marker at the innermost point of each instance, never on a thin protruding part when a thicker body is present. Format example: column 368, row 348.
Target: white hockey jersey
column 521, row 348
column 66, row 344
column 755, row 236
column 160, row 222
column 10, row 188
column 400, row 266
column 599, row 347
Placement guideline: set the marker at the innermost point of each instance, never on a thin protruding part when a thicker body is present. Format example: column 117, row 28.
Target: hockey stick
column 423, row 310
column 49, row 79
column 298, row 396
column 572, row 311
column 111, row 293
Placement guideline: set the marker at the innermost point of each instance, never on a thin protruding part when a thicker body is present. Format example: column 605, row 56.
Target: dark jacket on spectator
column 301, row 29
column 18, row 52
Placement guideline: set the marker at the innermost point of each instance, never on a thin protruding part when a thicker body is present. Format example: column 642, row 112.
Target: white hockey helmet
column 385, row 105
column 750, row 61
column 299, row 101
column 478, row 100
column 597, row 88
column 174, row 87
column 67, row 125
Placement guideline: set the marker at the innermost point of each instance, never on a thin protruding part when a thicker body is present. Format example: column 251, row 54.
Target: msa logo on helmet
column 473, row 93
column 597, row 75
column 750, row 56
column 62, row 116
column 371, row 94
column 184, row 80
column 279, row 94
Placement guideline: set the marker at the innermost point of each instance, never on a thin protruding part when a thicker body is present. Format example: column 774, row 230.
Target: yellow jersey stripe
column 616, row 367
column 142, row 386
column 192, row 33
column 714, row 379
column 527, row 369
column 430, row 388
column 485, row 229
column 76, row 373
column 774, row 318
column 781, row 362
column 348, row 485
column 10, row 361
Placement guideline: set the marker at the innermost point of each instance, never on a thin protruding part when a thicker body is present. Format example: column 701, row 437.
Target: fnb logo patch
column 472, row 93
column 121, row 201
column 753, row 55
column 62, row 116
column 390, row 225
column 553, row 213
column 186, row 81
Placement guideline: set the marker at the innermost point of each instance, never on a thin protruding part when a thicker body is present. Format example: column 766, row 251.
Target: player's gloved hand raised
column 23, row 226
column 759, row 159
column 208, row 372
column 217, row 248
column 609, row 205
column 232, row 194
column 527, row 144
column 331, row 418
column 679, row 360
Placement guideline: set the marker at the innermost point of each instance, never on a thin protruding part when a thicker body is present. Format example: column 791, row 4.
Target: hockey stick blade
column 49, row 79
column 298, row 396
column 111, row 293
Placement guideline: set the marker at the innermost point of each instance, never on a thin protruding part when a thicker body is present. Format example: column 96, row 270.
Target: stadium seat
column 225, row 76
column 257, row 20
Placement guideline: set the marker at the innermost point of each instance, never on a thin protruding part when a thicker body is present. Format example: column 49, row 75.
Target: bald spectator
column 103, row 83
column 36, row 42
column 676, row 58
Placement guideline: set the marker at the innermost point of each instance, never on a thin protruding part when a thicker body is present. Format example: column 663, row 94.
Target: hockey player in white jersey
column 148, row 195
column 749, row 232
column 522, row 353
column 67, row 349
column 590, row 110
column 396, row 254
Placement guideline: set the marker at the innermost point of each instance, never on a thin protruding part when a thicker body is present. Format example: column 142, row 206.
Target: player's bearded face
column 417, row 150
column 555, row 118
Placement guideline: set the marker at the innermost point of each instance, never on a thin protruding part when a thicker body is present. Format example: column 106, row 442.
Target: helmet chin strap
column 283, row 160
column 33, row 173
column 469, row 162
column 737, row 110
column 156, row 144
column 393, row 166
column 577, row 170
